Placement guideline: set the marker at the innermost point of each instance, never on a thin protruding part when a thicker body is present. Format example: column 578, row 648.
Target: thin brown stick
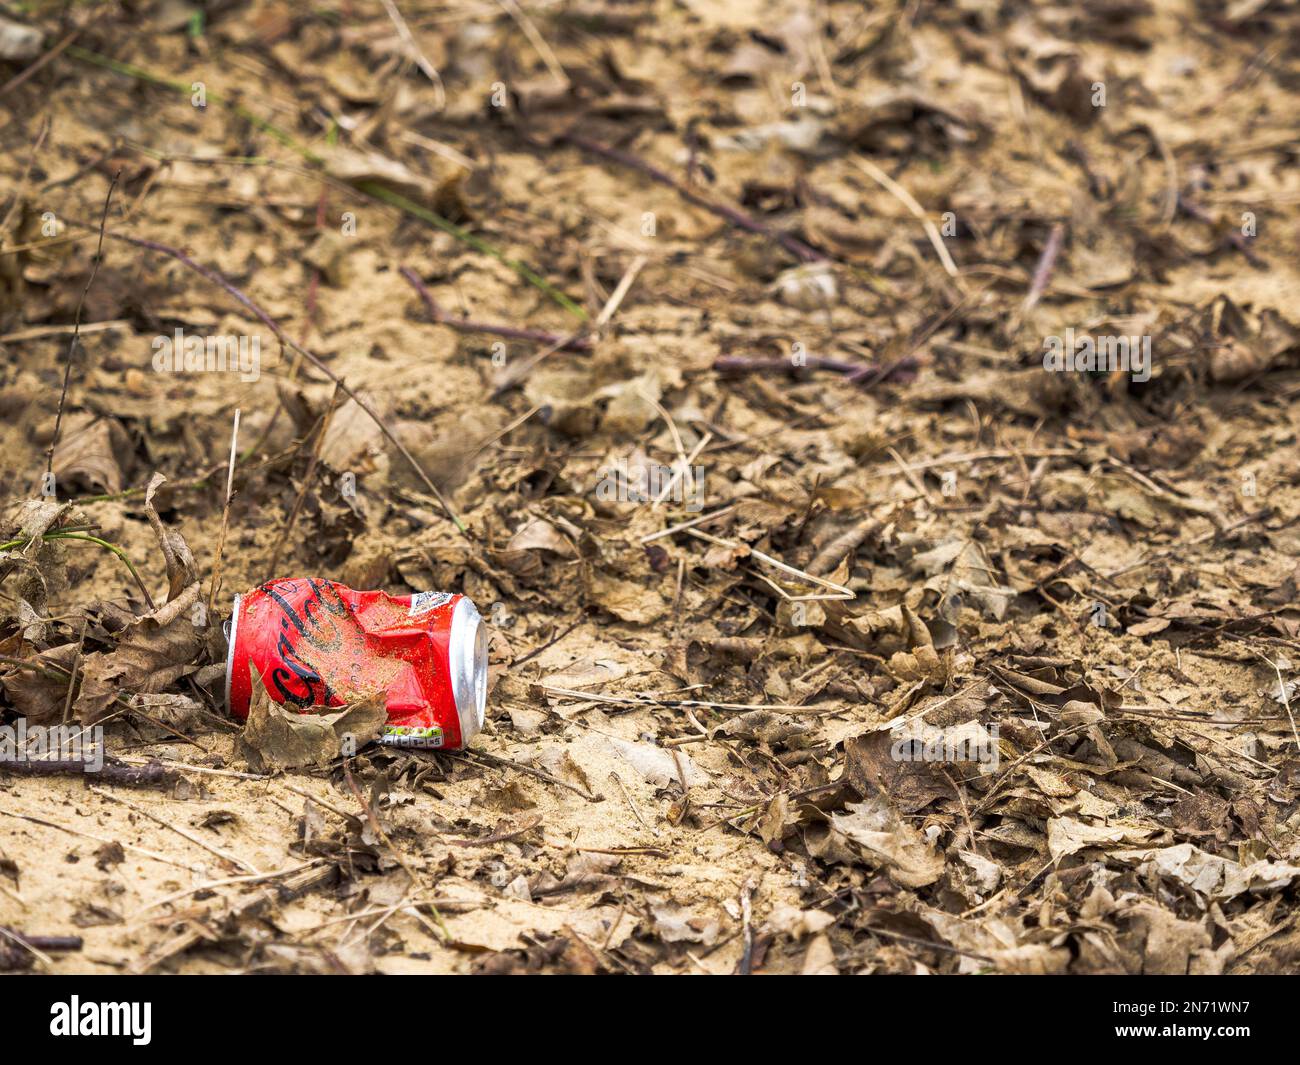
column 497, row 837
column 483, row 757
column 549, row 643
column 36, row 332
column 76, row 328
column 324, row 803
column 928, row 944
column 738, row 218
column 29, row 948
column 856, row 372
column 417, row 56
column 1286, row 701
column 654, row 852
column 219, row 279
column 378, row 828
column 72, row 674
column 150, row 775
column 745, row 967
column 21, row 187
column 151, row 855
column 548, row 57
column 225, row 856
column 53, row 53
column 515, row 375
column 1237, row 240
column 1046, row 264
column 48, row 942
column 625, row 700
column 207, row 885
column 917, row 211
column 306, row 484
column 225, row 512
column 574, row 342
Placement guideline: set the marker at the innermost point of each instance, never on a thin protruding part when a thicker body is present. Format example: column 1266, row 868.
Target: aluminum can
column 315, row 642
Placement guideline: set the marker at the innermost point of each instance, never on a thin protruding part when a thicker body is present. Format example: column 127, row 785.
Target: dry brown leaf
column 358, row 167
column 1066, row 835
column 1211, row 877
column 658, row 766
column 152, row 652
column 278, row 737
column 181, row 568
column 627, row 601
column 909, row 858
column 91, row 451
column 40, row 697
column 871, row 769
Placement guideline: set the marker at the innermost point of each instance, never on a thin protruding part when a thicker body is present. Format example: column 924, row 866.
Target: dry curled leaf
column 91, row 452
column 181, row 568
column 280, row 737
column 886, row 840
column 152, row 652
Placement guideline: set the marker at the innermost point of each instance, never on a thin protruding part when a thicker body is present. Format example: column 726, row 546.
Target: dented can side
column 315, row 642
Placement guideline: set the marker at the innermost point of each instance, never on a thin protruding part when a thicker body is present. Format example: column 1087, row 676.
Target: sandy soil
column 813, row 255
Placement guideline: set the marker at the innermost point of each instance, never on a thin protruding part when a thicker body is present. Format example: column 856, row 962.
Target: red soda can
column 319, row 643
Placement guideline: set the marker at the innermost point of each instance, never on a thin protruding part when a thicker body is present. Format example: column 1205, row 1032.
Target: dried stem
column 417, row 56
column 510, row 332
column 68, row 534
column 738, row 218
column 25, row 949
column 856, row 372
column 306, row 484
column 150, row 775
column 27, row 72
column 915, row 209
column 219, row 279
column 225, row 513
column 1046, row 264
column 76, row 328
column 1238, row 241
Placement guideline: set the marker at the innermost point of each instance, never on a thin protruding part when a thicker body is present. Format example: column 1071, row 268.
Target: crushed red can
column 315, row 642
